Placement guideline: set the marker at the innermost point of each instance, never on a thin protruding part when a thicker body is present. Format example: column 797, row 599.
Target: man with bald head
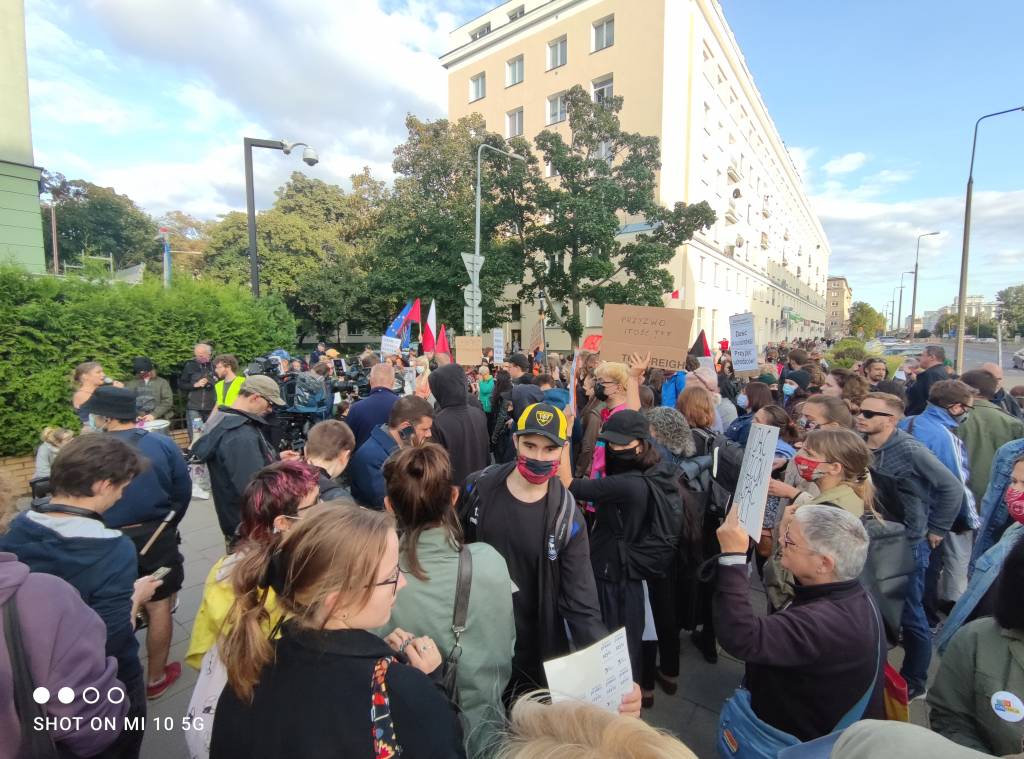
column 1003, row 399
column 373, row 410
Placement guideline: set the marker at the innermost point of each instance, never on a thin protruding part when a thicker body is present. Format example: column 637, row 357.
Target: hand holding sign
column 732, row 536
column 639, row 364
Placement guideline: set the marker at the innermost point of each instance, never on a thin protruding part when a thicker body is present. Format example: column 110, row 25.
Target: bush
column 50, row 325
column 846, row 352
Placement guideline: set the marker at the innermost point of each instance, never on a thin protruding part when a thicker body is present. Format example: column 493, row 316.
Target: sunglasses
column 872, row 414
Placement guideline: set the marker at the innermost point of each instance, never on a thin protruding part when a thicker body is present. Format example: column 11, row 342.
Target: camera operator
column 197, row 379
column 235, row 447
column 373, row 411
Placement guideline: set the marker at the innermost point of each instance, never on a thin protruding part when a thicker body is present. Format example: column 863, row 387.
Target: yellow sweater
column 218, row 595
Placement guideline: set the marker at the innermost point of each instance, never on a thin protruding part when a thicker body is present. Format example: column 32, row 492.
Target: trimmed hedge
column 49, row 325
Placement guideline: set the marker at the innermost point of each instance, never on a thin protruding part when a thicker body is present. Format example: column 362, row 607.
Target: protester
column 977, row 600
column 578, row 730
column 87, row 377
column 975, row 699
column 66, row 538
column 754, row 397
column 985, row 429
column 795, row 361
column 502, row 392
column 932, row 498
column 235, row 447
column 373, row 410
column 819, row 660
column 52, row 439
column 949, row 404
column 153, row 393
column 795, row 390
column 523, row 510
column 421, row 494
column 725, row 410
column 852, row 388
column 410, row 422
column 512, row 408
column 329, row 447
column 459, row 427
column 822, row 412
column 328, row 686
column 160, row 492
column 314, row 356
column 62, row 646
column 995, row 516
column 636, row 484
column 485, row 390
column 1001, row 398
column 931, row 369
column 589, row 415
column 875, row 370
column 277, row 498
column 197, row 380
column 727, row 386
column 229, row 383
column 618, row 386
column 519, row 369
column 553, row 394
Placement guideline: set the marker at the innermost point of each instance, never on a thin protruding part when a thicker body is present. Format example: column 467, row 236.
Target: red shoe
column 171, row 674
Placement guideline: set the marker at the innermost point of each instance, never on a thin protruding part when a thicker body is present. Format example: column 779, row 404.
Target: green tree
column 1011, row 308
column 606, row 177
column 96, row 221
column 865, row 318
column 945, row 324
column 188, row 237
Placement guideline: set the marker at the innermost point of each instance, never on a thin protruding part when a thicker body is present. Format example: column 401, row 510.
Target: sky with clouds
column 875, row 100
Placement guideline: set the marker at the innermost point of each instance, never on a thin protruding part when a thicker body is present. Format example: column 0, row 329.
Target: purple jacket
column 65, row 642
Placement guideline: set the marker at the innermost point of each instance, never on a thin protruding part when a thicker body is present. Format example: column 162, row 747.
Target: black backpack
column 726, row 458
column 650, row 555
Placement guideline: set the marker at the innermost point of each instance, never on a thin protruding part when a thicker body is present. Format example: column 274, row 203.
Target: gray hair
column 209, row 348
column 835, row 532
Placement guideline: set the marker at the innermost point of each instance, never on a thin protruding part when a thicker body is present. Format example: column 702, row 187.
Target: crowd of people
column 394, row 582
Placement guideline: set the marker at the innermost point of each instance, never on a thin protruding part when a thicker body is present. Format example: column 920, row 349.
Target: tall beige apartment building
column 683, row 79
column 840, row 298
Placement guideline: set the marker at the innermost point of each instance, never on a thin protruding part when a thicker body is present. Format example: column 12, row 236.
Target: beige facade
column 840, row 298
column 21, row 234
column 683, row 79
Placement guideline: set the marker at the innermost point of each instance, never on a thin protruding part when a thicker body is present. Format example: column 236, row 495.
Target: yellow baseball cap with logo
column 543, row 419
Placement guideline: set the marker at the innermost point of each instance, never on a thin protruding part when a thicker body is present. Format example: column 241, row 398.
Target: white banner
column 498, row 339
column 743, row 343
column 390, row 346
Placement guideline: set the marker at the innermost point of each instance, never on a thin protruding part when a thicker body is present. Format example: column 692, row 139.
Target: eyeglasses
column 867, row 414
column 788, row 543
column 393, row 580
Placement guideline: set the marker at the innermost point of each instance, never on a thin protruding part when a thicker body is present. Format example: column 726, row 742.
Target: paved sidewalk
column 691, row 714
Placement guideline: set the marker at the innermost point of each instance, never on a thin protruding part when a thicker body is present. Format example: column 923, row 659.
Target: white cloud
column 77, row 103
column 844, row 164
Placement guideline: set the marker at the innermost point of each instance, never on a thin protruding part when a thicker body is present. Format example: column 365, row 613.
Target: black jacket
column 566, row 589
column 459, row 427
column 234, row 447
column 198, row 398
column 313, row 701
column 917, row 394
column 331, row 489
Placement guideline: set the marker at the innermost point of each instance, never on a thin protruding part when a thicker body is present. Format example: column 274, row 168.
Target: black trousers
column 664, row 596
column 622, row 605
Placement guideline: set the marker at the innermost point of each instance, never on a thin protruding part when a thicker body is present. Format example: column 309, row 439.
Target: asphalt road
column 978, row 353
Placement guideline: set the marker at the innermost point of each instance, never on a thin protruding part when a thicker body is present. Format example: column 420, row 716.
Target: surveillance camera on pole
column 309, row 155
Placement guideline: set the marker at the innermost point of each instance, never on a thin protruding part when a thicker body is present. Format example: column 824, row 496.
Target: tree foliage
column 48, row 325
column 866, row 320
column 1011, row 308
column 605, row 177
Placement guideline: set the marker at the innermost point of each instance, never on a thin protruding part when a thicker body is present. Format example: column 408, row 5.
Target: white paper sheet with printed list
column 599, row 674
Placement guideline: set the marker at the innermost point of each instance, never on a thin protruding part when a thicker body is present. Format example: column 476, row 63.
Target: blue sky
column 876, row 101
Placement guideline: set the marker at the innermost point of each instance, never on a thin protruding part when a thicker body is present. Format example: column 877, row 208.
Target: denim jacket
column 986, row 569
column 994, row 517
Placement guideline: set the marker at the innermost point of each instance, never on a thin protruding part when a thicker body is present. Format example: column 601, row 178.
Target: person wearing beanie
column 794, row 389
column 152, row 393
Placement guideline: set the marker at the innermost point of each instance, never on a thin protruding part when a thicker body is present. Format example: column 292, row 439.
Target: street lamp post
column 913, row 300
column 962, row 304
column 308, row 155
column 899, row 311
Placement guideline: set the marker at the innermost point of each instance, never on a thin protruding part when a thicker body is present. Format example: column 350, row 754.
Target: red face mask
column 808, row 469
column 1015, row 504
column 536, row 472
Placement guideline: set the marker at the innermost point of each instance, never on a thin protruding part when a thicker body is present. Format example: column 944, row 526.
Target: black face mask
column 599, row 392
column 621, row 461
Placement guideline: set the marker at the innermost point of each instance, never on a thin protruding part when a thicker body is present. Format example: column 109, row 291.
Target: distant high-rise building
column 837, row 307
column 684, row 80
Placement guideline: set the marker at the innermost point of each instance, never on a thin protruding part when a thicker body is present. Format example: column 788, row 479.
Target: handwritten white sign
column 743, row 343
column 498, row 340
column 599, row 674
column 755, row 472
column 390, row 346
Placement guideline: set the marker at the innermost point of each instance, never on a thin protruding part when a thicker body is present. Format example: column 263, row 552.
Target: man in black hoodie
column 234, row 447
column 459, row 427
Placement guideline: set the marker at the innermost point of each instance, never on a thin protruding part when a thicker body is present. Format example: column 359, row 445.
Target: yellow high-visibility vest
column 226, row 399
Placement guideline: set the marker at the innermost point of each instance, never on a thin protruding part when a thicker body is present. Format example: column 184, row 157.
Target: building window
column 558, row 53
column 517, row 13
column 556, row 108
column 514, row 123
column 604, row 33
column 477, row 87
column 514, row 71
column 604, row 150
column 480, row 32
column 603, row 90
column 702, row 270
column 516, row 312
column 716, row 274
column 551, row 171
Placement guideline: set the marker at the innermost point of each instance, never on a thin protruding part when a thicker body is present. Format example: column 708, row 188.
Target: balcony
column 764, row 241
column 733, row 171
column 731, row 217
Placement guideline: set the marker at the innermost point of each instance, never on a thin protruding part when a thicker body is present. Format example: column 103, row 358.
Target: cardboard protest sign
column 390, row 346
column 469, row 350
column 536, row 336
column 663, row 332
column 755, row 472
column 498, row 341
column 744, row 343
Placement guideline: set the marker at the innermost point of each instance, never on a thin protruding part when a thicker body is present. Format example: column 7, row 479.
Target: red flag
column 442, row 343
column 414, row 313
column 675, row 295
column 592, row 343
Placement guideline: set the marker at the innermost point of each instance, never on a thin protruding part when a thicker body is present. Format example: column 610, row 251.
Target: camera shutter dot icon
column 41, row 695
column 66, row 695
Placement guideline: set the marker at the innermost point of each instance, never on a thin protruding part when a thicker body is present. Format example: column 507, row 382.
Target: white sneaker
column 198, row 492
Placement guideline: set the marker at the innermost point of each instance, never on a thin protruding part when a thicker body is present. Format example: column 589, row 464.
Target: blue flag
column 399, row 322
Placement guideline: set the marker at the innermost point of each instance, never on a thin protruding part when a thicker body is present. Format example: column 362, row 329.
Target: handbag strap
column 37, row 743
column 857, row 710
column 462, row 588
column 382, row 727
